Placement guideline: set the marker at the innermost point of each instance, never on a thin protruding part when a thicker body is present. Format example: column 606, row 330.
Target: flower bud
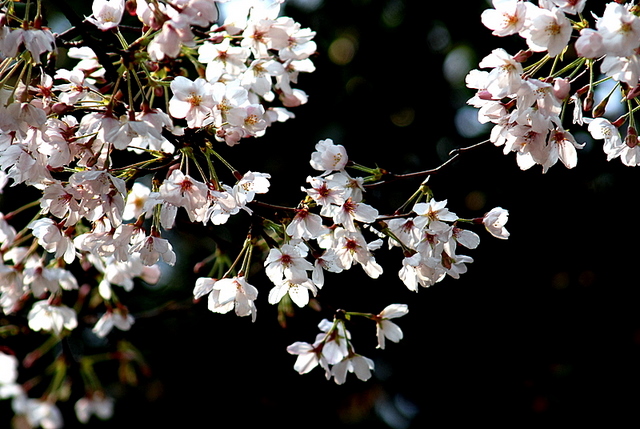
column 523, row 56
column 600, row 108
column 131, row 7
column 561, row 88
column 633, row 93
column 618, row 122
column 588, row 101
column 631, row 139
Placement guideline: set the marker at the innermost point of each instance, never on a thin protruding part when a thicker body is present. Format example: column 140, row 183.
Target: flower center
column 194, row 99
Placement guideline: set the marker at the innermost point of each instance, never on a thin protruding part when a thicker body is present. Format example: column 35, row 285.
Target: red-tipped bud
column 618, row 122
column 600, row 108
column 523, row 56
column 588, row 101
column 631, row 139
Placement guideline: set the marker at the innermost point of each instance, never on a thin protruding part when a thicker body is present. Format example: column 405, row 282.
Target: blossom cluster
column 123, row 144
column 71, row 133
column 526, row 101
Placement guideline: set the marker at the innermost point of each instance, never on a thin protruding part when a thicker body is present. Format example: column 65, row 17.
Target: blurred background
column 543, row 328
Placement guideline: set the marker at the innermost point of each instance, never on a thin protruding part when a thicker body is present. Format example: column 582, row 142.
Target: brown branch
column 454, row 154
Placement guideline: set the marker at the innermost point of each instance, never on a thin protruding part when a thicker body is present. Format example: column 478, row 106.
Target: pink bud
column 561, row 88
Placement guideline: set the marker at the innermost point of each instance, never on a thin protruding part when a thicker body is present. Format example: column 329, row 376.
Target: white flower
column 53, row 239
column 468, row 239
column 571, row 6
column 175, row 32
column 353, row 186
column 182, row 190
column 203, row 286
column 352, row 211
column 327, row 261
column 229, row 293
column 136, row 200
column 249, row 185
column 495, row 220
column 601, row 129
column 386, row 328
column 223, row 206
column 51, row 318
column 455, row 264
column 433, row 215
column 357, row 364
column 223, row 58
column 97, row 404
column 192, row 100
column 8, row 369
column 259, row 76
column 547, row 30
column 106, row 13
column 116, row 318
column 630, row 154
column 507, row 18
column 622, row 69
column 324, row 193
column 305, row 225
column 335, row 338
column 589, row 44
column 152, row 248
column 562, row 145
column 36, row 41
column 298, row 292
column 351, row 248
column 287, row 263
column 309, row 356
column 329, row 157
column 420, row 270
column 505, row 77
column 620, row 30
column 38, row 412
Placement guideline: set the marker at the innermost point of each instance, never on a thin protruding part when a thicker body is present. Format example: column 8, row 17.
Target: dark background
column 543, row 329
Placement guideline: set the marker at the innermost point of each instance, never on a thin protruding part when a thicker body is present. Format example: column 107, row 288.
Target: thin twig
column 454, row 154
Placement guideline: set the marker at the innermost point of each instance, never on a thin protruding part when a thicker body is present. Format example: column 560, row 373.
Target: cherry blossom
column 309, row 356
column 620, row 30
column 306, row 225
column 181, row 190
column 106, row 13
column 51, row 318
column 433, row 215
column 127, row 137
column 8, row 369
column 117, row 318
column 35, row 40
column 233, row 293
column 53, row 239
column 287, row 263
column 505, row 77
column 494, row 221
column 299, row 292
column 192, row 100
column 386, row 329
column 359, row 365
column 546, row 30
column 350, row 212
column 98, row 404
column 153, row 249
column 352, row 248
column 507, row 17
column 329, row 157
column 39, row 412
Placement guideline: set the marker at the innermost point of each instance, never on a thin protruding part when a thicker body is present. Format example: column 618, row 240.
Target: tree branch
column 454, row 154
